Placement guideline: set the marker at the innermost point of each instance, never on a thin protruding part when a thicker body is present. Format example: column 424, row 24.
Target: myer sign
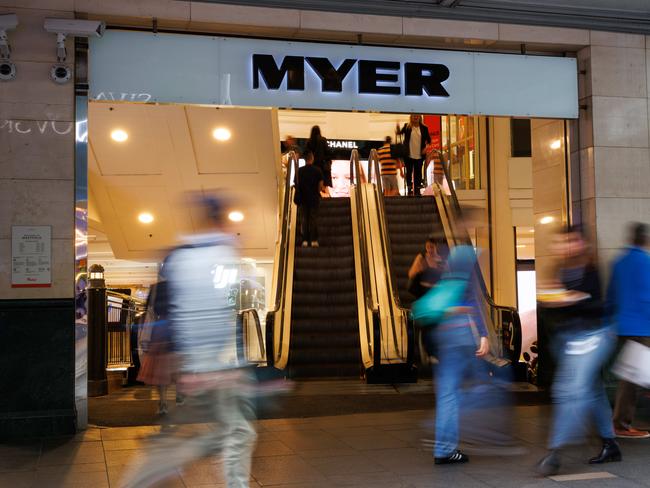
column 254, row 72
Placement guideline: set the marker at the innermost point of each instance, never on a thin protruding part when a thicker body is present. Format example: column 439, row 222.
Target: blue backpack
column 449, row 292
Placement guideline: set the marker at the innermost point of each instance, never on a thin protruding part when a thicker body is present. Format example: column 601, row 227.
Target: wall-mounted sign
column 31, row 256
column 338, row 144
column 256, row 72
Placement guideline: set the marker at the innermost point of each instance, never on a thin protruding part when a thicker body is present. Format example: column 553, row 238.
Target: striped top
column 386, row 161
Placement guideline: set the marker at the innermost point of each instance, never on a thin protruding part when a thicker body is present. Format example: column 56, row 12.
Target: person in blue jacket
column 629, row 298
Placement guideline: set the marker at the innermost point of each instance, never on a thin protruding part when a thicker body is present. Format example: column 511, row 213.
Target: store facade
column 599, row 82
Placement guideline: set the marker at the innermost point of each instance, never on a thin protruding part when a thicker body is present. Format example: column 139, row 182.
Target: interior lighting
column 236, row 216
column 221, row 134
column 521, row 246
column 556, row 144
column 145, row 218
column 119, row 135
column 546, row 220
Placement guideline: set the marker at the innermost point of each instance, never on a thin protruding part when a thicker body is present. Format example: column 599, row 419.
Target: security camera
column 7, row 22
column 60, row 73
column 75, row 27
column 72, row 27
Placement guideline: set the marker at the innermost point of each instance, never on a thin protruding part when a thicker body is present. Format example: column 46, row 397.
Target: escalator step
column 320, row 355
column 342, row 286
column 301, row 311
column 326, row 371
column 332, row 298
column 325, row 340
column 320, row 324
column 324, row 263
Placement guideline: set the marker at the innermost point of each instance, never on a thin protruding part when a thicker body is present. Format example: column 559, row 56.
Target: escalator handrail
column 258, row 328
column 280, row 295
column 465, row 238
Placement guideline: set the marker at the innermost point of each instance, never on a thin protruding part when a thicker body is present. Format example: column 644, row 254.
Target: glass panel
column 460, row 148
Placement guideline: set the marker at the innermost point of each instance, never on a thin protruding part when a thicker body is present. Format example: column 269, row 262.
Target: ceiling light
column 119, row 135
column 221, row 134
column 546, row 220
column 521, row 246
column 145, row 218
column 236, row 216
column 556, row 144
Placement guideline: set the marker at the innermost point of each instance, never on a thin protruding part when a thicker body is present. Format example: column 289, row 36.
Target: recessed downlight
column 556, row 144
column 145, row 218
column 119, row 135
column 546, row 220
column 221, row 134
column 236, row 216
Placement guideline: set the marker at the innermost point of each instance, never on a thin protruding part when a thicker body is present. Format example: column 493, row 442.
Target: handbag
column 430, row 308
column 633, row 364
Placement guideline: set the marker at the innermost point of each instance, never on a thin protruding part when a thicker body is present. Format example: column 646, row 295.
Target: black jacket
column 424, row 139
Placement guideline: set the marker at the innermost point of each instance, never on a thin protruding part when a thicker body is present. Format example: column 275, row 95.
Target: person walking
column 629, row 296
column 583, row 343
column 426, row 270
column 388, row 168
column 216, row 385
column 318, row 146
column 309, row 185
column 416, row 138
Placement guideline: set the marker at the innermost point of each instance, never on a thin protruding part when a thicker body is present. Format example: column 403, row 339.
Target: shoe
column 455, row 458
column 550, row 464
column 162, row 410
column 631, row 433
column 305, row 244
column 609, row 453
column 314, row 243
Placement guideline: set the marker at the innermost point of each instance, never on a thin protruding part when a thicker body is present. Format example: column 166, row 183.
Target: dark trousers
column 413, row 175
column 627, row 393
column 309, row 223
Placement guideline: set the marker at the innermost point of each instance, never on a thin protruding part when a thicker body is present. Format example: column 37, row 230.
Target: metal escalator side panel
column 366, row 341
column 282, row 334
column 393, row 328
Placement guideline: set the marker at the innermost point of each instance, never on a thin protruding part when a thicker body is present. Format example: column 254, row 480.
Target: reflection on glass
column 460, row 137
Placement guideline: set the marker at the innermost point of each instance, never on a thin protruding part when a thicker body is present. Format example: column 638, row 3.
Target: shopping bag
column 399, row 149
column 633, row 364
column 430, row 308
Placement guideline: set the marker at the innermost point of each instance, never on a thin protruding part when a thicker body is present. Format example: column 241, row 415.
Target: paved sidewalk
column 374, row 450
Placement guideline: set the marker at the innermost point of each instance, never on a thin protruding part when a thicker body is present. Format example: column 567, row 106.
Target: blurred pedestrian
column 217, row 388
column 416, row 138
column 583, row 343
column 389, row 167
column 629, row 297
column 155, row 342
column 318, row 146
column 309, row 184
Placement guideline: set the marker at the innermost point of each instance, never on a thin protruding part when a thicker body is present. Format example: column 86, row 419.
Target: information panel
column 31, row 256
column 147, row 67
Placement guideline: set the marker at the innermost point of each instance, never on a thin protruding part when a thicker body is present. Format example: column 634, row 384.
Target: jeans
column 578, row 390
column 627, row 393
column 456, row 355
column 234, row 437
column 309, row 223
column 413, row 172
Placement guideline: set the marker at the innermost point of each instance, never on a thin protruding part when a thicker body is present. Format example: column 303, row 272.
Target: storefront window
column 460, row 150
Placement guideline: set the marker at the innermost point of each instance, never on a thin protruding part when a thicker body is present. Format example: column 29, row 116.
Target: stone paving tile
column 19, row 479
column 122, row 433
column 272, row 448
column 18, row 462
column 72, row 479
column 72, row 453
column 375, row 441
column 346, row 465
column 116, row 474
column 285, row 469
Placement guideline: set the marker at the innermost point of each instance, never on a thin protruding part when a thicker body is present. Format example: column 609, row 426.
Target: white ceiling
column 170, row 150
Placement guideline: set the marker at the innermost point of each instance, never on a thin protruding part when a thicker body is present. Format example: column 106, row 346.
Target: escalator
column 410, row 221
column 324, row 318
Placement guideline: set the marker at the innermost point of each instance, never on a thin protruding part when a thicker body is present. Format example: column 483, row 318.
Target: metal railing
column 122, row 312
column 503, row 321
column 278, row 320
column 250, row 339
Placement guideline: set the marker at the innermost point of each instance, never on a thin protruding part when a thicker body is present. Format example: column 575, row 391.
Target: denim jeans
column 456, row 355
column 578, row 390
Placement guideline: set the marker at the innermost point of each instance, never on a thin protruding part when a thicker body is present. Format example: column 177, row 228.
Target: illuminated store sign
column 184, row 68
column 373, row 76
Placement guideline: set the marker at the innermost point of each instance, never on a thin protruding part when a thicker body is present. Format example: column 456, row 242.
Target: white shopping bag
column 633, row 364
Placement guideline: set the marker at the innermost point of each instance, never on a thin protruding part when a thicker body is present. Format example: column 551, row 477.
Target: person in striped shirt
column 389, row 167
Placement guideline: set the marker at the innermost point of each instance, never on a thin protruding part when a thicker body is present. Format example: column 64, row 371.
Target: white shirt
column 415, row 152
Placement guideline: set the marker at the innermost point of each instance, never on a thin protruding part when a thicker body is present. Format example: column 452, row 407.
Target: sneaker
column 631, row 433
column 314, row 243
column 305, row 244
column 454, row 458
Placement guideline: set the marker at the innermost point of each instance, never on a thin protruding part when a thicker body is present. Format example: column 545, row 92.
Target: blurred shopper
column 203, row 329
column 309, row 185
column 389, row 167
column 289, row 145
column 434, row 157
column 318, row 146
column 582, row 345
column 155, row 342
column 629, row 297
column 416, row 138
column 426, row 270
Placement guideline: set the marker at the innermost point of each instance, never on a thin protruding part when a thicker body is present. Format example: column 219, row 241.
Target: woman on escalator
column 427, row 268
